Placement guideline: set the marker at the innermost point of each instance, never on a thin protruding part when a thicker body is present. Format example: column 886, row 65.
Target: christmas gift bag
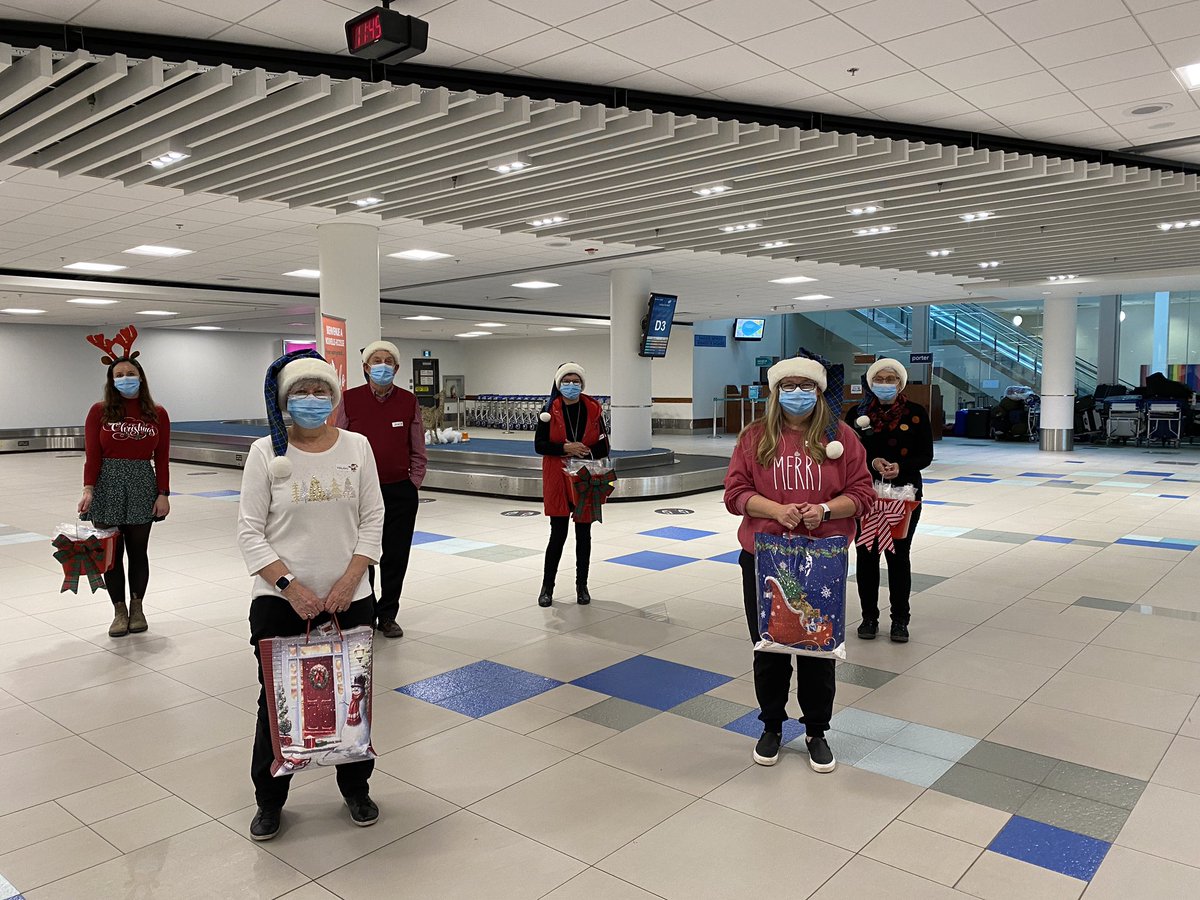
column 889, row 518
column 83, row 550
column 318, row 688
column 589, row 482
column 801, row 594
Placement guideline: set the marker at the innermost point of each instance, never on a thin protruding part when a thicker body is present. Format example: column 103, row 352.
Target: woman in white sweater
column 310, row 522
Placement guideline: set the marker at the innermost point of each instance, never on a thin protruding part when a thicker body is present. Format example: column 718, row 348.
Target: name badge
column 397, row 424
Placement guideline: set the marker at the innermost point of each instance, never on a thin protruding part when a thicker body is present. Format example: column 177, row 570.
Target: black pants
column 134, row 541
column 558, row 540
column 274, row 617
column 815, row 682
column 899, row 567
column 400, row 505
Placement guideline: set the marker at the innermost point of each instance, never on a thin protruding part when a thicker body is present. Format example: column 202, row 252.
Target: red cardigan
column 131, row 438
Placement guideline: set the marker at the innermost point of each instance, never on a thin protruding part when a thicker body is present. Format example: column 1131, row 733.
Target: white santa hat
column 386, row 346
column 814, row 367
column 566, row 369
column 888, row 363
column 796, row 367
column 284, row 374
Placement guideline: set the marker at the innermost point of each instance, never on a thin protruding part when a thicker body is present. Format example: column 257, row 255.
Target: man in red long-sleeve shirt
column 390, row 419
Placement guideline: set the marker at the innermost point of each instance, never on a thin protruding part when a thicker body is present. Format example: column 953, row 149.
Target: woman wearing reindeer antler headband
column 126, row 478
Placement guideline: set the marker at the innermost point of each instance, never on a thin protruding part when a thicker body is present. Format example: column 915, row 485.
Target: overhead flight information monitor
column 656, row 328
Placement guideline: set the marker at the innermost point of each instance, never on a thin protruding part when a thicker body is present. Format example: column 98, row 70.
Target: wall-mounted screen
column 656, row 330
column 748, row 329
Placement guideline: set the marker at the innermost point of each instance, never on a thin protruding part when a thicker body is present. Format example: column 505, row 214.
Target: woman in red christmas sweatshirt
column 121, row 488
column 798, row 469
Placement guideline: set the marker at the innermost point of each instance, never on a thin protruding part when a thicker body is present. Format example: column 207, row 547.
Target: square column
column 631, row 406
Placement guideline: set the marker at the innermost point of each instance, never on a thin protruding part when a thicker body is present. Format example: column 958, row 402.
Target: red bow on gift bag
column 877, row 528
column 80, row 557
column 588, row 493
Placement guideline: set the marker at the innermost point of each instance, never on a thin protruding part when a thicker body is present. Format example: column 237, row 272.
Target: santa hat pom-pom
column 280, row 468
column 544, row 417
column 834, row 449
column 863, row 421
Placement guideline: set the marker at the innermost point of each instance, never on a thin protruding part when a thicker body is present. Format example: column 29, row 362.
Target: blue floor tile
column 479, row 689
column 1051, row 848
column 1052, row 539
column 934, row 502
column 1161, row 545
column 1149, row 474
column 750, row 726
column 975, row 479
column 675, row 533
column 1038, row 475
column 1174, row 496
column 428, row 537
column 733, row 556
column 932, row 480
column 652, row 682
column 217, row 494
column 650, row 559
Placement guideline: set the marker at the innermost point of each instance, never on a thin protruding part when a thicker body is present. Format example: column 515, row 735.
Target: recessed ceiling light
column 1061, row 277
column 1149, row 109
column 792, row 279
column 864, row 209
column 94, row 267
column 935, row 253
column 93, row 301
column 548, row 220
column 989, row 265
column 976, row 216
column 299, row 324
column 514, row 162
column 741, row 226
column 785, row 308
column 712, row 190
column 1168, row 226
column 151, row 250
column 21, row 311
column 304, row 273
column 423, row 318
column 490, row 325
column 369, row 200
column 469, row 334
column 206, row 328
column 562, row 328
column 155, row 312
column 880, row 229
column 1018, row 321
column 814, row 297
column 163, row 155
column 775, row 245
column 536, row 285
column 1159, row 126
column 419, row 255
column 1122, row 316
column 1189, row 76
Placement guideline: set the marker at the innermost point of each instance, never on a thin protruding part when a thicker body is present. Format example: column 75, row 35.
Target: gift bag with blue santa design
column 318, row 688
column 801, row 594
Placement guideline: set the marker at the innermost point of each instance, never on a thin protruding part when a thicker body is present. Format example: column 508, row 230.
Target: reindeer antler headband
column 123, row 339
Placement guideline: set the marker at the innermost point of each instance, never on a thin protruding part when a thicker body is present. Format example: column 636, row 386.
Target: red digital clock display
column 366, row 32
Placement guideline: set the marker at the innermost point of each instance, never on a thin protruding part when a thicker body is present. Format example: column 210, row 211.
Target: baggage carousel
column 489, row 466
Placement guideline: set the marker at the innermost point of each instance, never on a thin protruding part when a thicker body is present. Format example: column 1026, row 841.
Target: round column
column 348, row 254
column 1058, row 375
column 630, row 294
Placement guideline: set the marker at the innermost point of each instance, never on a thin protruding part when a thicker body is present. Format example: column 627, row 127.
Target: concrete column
column 630, row 294
column 1058, row 374
column 1162, row 322
column 348, row 254
column 919, row 343
column 1110, row 331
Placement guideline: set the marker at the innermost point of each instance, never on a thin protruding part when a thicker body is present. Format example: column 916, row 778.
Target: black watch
column 283, row 582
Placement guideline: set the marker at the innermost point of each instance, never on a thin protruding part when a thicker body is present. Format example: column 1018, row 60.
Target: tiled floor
column 1038, row 738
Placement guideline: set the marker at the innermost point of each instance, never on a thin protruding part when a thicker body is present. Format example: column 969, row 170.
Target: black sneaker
column 766, row 751
column 363, row 810
column 899, row 633
column 265, row 825
column 820, row 757
column 868, row 628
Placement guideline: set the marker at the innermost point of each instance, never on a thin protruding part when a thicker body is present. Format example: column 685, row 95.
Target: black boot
column 546, row 597
column 582, row 597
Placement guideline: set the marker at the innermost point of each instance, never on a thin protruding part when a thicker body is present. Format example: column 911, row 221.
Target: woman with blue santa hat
column 571, row 426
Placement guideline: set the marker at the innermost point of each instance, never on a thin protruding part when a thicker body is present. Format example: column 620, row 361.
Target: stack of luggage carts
column 515, row 412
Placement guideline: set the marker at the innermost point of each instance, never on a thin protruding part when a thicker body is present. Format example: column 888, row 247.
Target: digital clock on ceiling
column 386, row 35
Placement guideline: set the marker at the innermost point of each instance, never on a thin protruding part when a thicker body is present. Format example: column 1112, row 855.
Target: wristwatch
column 283, row 582
column 828, row 512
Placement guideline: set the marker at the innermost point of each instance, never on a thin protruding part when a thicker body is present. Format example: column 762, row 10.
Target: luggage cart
column 1163, row 422
column 1123, row 421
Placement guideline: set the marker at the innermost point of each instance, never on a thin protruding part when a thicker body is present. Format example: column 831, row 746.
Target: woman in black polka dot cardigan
column 899, row 445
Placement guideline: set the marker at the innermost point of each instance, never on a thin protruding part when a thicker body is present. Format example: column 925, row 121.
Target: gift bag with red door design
column 801, row 594
column 318, row 690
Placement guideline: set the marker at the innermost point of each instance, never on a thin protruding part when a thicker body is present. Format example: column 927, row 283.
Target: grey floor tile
column 1085, row 543
column 987, row 788
column 1098, row 820
column 864, row 676
column 848, row 749
column 1003, row 537
column 711, row 710
column 499, row 554
column 1010, row 762
column 1101, row 603
column 1095, row 784
column 617, row 713
column 867, row 724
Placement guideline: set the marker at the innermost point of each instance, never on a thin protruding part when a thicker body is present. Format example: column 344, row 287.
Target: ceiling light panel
column 548, row 220
column 976, row 216
column 423, row 318
column 792, row 279
column 536, row 285
column 153, row 250
column 814, row 297
column 775, row 245
column 741, row 226
column 507, row 165
column 155, row 312
column 1189, row 76
column 93, row 301
column 874, row 230
column 94, row 267
column 23, row 311
column 419, row 255
column 304, row 273
column 992, row 264
column 1179, row 226
column 561, row 328
column 936, row 253
column 712, row 190
column 864, row 209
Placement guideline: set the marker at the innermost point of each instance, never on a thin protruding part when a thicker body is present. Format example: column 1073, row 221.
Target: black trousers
column 400, row 504
column 815, row 682
column 558, row 540
column 133, row 541
column 274, row 617
column 899, row 567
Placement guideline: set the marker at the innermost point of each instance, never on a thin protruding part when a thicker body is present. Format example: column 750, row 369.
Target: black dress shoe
column 546, row 597
column 265, row 825
column 899, row 633
column 582, row 597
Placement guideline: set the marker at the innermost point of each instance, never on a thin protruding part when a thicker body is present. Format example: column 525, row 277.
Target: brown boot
column 120, row 622
column 137, row 619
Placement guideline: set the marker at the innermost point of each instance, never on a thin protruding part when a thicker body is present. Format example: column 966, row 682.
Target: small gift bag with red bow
column 889, row 518
column 589, row 482
column 84, row 551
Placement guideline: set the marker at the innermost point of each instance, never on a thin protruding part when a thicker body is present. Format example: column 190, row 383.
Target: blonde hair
column 771, row 430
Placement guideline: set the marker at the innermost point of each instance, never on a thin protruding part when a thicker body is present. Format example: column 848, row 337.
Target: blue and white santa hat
column 567, row 368
column 282, row 375
column 829, row 378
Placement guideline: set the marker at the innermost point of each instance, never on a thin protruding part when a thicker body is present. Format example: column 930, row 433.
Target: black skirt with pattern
column 124, row 493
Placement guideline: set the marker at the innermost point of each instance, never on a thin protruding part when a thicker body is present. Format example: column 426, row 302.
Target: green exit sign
column 762, row 361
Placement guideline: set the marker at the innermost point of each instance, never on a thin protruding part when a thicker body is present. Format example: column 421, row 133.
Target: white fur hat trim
column 387, row 346
column 797, row 367
column 834, row 449
column 888, row 363
column 863, row 421
column 305, row 368
column 279, row 468
column 569, row 369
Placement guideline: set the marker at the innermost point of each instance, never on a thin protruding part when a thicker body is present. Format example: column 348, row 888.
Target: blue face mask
column 570, row 390
column 308, row 411
column 128, row 386
column 885, row 392
column 382, row 374
column 798, row 403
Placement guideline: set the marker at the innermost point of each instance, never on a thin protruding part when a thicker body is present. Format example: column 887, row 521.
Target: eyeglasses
column 803, row 386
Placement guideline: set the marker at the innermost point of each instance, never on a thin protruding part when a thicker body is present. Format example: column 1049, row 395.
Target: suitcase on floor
column 979, row 423
column 960, row 423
